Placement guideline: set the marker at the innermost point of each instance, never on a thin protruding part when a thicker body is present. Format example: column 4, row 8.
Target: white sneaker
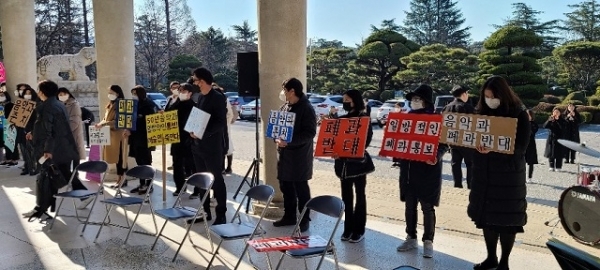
column 84, row 204
column 408, row 244
column 30, row 213
column 551, row 169
column 558, row 170
column 427, row 249
column 530, row 181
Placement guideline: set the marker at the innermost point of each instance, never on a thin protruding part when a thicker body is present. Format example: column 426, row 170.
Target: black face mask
column 347, row 107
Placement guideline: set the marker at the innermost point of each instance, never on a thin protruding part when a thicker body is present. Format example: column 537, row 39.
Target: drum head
column 579, row 211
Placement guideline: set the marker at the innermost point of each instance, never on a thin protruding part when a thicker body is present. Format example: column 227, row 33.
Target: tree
column 246, row 37
column 581, row 62
column 552, row 70
column 58, row 27
column 152, row 51
column 330, row 69
column 584, row 20
column 526, row 17
column 322, row 43
column 439, row 66
column 212, row 48
column 379, row 56
column 436, row 21
column 509, row 55
column 181, row 67
column 387, row 25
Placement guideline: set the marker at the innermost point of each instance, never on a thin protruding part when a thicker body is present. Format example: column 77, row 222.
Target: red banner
column 412, row 136
column 287, row 243
column 345, row 137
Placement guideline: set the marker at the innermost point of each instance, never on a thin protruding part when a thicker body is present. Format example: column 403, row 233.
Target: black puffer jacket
column 531, row 156
column 498, row 191
column 352, row 167
column 556, row 130
column 52, row 133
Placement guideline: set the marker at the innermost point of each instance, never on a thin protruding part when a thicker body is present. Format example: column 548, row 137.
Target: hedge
column 586, row 117
column 541, row 117
column 551, row 99
column 594, row 100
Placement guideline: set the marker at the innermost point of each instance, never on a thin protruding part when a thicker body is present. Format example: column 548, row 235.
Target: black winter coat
column 52, row 133
column 556, row 131
column 353, row 167
column 498, row 191
column 296, row 159
column 459, row 106
column 572, row 126
column 214, row 141
column 138, row 140
column 183, row 108
column 421, row 179
column 531, row 153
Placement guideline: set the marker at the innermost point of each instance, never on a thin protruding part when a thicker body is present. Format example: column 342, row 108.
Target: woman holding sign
column 11, row 157
column 497, row 201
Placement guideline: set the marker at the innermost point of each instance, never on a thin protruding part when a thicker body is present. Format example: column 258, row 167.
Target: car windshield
column 156, row 96
column 315, row 100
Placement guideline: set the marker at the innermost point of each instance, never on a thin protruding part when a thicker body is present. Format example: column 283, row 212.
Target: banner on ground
column 21, row 112
column 287, row 243
column 197, row 122
column 344, row 137
column 10, row 135
column 281, row 125
column 99, row 136
column 126, row 114
column 470, row 130
column 412, row 136
column 162, row 128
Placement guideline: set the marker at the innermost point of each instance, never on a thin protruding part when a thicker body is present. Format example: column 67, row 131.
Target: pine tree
column 436, row 21
column 584, row 20
column 526, row 17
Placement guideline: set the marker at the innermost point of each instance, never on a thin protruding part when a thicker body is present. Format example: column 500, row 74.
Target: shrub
column 543, row 107
column 370, row 94
column 387, row 94
column 594, row 100
column 541, row 117
column 574, row 97
column 551, row 99
column 586, row 117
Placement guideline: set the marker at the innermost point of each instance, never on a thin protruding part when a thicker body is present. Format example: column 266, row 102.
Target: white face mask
column 282, row 96
column 175, row 92
column 493, row 103
column 416, row 105
column 184, row 97
column 28, row 97
column 112, row 97
column 2, row 98
column 63, row 98
column 134, row 97
column 18, row 93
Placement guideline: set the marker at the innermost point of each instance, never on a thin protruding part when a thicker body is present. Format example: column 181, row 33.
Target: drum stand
column 556, row 219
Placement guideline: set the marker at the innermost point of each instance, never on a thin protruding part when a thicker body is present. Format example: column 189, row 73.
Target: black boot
column 285, row 221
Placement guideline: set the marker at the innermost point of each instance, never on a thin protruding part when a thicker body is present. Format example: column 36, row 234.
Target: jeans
column 555, row 163
column 295, row 196
column 411, row 217
column 355, row 215
column 458, row 154
column 206, row 162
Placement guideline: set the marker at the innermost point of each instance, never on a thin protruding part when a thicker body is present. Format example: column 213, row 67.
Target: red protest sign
column 287, row 243
column 412, row 136
column 345, row 137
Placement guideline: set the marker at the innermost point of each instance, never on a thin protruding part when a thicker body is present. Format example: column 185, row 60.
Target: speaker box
column 247, row 63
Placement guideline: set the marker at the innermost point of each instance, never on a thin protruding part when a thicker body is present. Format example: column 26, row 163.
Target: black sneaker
column 220, row 220
column 304, row 226
column 345, row 236
column 199, row 219
column 284, row 222
column 135, row 190
column 355, row 238
column 227, row 171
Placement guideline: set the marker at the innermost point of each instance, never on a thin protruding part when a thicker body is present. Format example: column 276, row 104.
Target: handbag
column 54, row 176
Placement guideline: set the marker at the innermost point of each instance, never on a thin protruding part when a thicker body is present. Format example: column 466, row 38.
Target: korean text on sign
column 126, row 117
column 346, row 137
column 281, row 125
column 470, row 130
column 287, row 243
column 21, row 112
column 162, row 128
column 412, row 136
column 99, row 136
column 10, row 135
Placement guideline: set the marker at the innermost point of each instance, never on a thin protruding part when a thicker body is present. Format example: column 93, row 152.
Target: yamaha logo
column 582, row 196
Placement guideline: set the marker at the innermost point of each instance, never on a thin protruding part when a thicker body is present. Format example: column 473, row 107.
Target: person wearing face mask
column 116, row 151
column 2, row 87
column 183, row 161
column 31, row 166
column 572, row 118
column 174, row 87
column 531, row 156
column 10, row 157
column 460, row 105
column 557, row 129
column 353, row 175
column 421, row 182
column 497, row 202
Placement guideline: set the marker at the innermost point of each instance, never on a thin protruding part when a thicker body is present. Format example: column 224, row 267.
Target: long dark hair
column 359, row 103
column 501, row 90
column 140, row 91
column 117, row 89
column 34, row 95
column 66, row 91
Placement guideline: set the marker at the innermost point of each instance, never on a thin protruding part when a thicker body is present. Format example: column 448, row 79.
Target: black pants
column 355, row 215
column 208, row 162
column 30, row 164
column 530, row 172
column 11, row 155
column 458, row 154
column 183, row 167
column 143, row 156
column 411, row 216
column 570, row 156
column 555, row 163
column 120, row 169
column 295, row 196
column 87, row 134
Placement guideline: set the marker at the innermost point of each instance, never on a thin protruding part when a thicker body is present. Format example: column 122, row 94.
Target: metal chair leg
column 280, row 261
column 159, row 234
column 215, row 255
column 87, row 220
column 306, row 264
column 103, row 222
column 133, row 223
column 244, row 252
column 187, row 232
column 212, row 247
column 335, row 258
column 56, row 214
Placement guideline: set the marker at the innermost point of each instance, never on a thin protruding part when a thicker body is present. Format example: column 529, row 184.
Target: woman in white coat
column 231, row 117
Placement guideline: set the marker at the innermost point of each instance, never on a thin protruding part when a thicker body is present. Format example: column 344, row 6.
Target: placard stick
column 164, row 172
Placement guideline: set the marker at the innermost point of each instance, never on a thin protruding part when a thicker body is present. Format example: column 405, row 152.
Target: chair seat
column 81, row 193
column 230, row 231
column 124, row 201
column 304, row 252
column 176, row 213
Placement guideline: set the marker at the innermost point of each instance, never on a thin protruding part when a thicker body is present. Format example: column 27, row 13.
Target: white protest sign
column 99, row 136
column 197, row 122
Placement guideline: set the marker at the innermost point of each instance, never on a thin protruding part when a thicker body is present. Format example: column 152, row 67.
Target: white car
column 375, row 105
column 388, row 107
column 248, row 111
column 322, row 104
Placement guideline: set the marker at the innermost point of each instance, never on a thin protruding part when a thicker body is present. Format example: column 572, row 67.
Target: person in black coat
column 573, row 118
column 557, row 128
column 353, row 174
column 11, row 157
column 88, row 118
column 460, row 105
column 183, row 160
column 497, row 202
column 421, row 182
column 531, row 157
column 30, row 165
column 295, row 164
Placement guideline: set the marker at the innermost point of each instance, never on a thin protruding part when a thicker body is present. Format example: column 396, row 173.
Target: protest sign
column 412, row 136
column 470, row 130
column 162, row 128
column 2, row 117
column 346, row 137
column 197, row 122
column 10, row 135
column 281, row 125
column 21, row 112
column 99, row 136
column 287, row 243
column 126, row 114
column 171, row 131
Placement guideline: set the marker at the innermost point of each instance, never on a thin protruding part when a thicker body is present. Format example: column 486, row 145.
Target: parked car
column 321, row 104
column 239, row 101
column 231, row 94
column 388, row 106
column 248, row 111
column 159, row 99
column 375, row 105
column 441, row 102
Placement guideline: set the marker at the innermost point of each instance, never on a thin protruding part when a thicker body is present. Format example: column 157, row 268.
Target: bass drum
column 579, row 211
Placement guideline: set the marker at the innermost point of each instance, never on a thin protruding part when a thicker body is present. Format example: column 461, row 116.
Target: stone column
column 282, row 54
column 17, row 19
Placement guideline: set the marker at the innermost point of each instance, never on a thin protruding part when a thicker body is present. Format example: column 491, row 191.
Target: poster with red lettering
column 287, row 243
column 412, row 136
column 345, row 137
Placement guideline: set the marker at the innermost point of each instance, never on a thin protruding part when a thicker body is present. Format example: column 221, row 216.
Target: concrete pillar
column 17, row 19
column 115, row 51
column 282, row 54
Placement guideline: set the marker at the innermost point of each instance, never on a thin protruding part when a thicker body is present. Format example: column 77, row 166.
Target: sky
column 351, row 22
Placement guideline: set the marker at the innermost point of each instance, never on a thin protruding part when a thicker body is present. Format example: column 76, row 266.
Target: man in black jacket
column 210, row 149
column 460, row 105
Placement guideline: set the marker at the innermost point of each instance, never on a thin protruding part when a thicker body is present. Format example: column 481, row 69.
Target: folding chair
column 202, row 181
column 88, row 167
column 142, row 172
column 326, row 205
column 239, row 230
